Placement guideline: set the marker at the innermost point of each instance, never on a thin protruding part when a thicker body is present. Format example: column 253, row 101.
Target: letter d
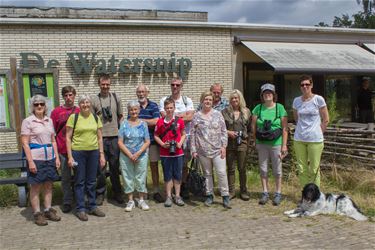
column 25, row 62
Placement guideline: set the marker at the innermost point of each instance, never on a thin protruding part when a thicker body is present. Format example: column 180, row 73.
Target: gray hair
column 38, row 99
column 132, row 104
column 83, row 98
column 144, row 86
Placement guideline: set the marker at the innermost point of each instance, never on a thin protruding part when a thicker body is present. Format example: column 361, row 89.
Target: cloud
column 290, row 12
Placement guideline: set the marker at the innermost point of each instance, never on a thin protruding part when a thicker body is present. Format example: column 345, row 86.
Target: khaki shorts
column 154, row 153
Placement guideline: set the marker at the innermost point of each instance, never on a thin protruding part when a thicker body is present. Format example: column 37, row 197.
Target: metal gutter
column 181, row 24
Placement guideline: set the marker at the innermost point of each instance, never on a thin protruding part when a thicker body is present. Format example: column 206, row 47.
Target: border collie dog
column 315, row 202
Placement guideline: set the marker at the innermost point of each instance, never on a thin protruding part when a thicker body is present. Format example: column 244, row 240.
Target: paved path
column 194, row 226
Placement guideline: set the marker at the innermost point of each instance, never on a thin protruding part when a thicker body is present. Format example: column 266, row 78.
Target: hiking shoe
column 143, row 205
column 277, row 199
column 245, row 196
column 99, row 199
column 179, row 201
column 158, row 198
column 226, row 202
column 51, row 214
column 232, row 195
column 209, row 200
column 97, row 212
column 168, row 202
column 82, row 216
column 66, row 208
column 129, row 206
column 263, row 200
column 39, row 219
column 119, row 198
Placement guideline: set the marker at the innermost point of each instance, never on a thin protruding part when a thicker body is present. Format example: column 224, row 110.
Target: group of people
column 86, row 137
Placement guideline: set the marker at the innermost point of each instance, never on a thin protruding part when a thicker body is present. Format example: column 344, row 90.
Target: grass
column 355, row 182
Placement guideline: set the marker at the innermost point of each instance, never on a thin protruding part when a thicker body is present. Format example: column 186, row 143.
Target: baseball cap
column 267, row 86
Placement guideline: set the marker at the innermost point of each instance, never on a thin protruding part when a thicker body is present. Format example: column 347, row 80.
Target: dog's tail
column 357, row 213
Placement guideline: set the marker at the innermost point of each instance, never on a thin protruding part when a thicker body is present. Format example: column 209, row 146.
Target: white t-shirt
column 180, row 108
column 308, row 124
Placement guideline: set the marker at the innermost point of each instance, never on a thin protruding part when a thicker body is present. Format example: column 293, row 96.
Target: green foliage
column 332, row 109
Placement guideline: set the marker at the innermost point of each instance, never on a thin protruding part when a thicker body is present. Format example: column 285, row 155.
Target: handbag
column 265, row 133
column 196, row 181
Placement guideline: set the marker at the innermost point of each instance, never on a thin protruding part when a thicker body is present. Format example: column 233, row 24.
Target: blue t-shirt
column 151, row 111
column 134, row 136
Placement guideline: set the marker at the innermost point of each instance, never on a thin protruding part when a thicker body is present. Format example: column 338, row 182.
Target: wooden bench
column 15, row 161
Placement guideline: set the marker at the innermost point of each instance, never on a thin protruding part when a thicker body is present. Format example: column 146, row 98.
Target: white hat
column 267, row 86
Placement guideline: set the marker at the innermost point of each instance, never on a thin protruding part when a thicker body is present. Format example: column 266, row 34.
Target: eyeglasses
column 42, row 104
column 305, row 84
column 175, row 85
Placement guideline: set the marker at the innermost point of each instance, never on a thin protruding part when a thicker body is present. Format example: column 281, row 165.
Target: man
column 364, row 102
column 59, row 117
column 219, row 102
column 150, row 114
column 184, row 110
column 108, row 107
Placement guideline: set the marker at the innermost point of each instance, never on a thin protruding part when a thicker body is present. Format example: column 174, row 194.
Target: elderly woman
column 311, row 115
column 270, row 132
column 85, row 152
column 133, row 141
column 237, row 119
column 209, row 140
column 39, row 146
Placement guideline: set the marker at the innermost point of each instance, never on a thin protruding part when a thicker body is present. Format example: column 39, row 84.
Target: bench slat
column 15, row 180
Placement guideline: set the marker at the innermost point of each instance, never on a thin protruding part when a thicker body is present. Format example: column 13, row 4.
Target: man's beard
column 142, row 100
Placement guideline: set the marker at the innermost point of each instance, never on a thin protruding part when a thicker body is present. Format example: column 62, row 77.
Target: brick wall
column 209, row 49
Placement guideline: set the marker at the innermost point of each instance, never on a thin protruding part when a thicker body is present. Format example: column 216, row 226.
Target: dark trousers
column 239, row 156
column 112, row 154
column 84, row 177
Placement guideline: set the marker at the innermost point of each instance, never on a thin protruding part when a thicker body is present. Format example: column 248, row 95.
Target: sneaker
column 277, row 199
column 66, row 208
column 82, row 216
column 97, row 212
column 168, row 202
column 209, row 200
column 158, row 198
column 245, row 196
column 179, row 201
column 51, row 214
column 263, row 200
column 39, row 219
column 119, row 198
column 129, row 206
column 143, row 205
column 226, row 202
column 99, row 199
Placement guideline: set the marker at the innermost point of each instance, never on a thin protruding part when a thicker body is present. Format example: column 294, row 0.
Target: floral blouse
column 208, row 134
column 134, row 136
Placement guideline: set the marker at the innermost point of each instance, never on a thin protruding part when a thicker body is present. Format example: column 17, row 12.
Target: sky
column 285, row 12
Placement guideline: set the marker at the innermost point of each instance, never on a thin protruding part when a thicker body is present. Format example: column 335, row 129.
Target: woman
column 311, row 115
column 270, row 133
column 209, row 140
column 40, row 149
column 170, row 135
column 237, row 119
column 84, row 146
column 133, row 141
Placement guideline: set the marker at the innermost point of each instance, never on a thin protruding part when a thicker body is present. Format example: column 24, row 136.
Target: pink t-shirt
column 59, row 117
column 40, row 132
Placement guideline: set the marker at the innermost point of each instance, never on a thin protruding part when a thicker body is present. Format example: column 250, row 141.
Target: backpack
column 76, row 120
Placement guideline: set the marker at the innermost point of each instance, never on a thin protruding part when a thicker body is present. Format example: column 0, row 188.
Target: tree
column 364, row 19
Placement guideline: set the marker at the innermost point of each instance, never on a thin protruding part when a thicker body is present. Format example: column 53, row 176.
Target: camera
column 172, row 147
column 239, row 137
column 107, row 114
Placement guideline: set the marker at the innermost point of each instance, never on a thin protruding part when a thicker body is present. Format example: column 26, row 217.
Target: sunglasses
column 305, row 85
column 175, row 85
column 42, row 104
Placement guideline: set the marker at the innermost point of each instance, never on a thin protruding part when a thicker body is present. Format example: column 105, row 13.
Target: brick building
column 153, row 46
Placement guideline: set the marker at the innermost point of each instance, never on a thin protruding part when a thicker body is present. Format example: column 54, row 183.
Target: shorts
column 154, row 153
column 172, row 167
column 46, row 171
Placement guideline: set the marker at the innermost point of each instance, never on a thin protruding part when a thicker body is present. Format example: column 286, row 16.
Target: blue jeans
column 66, row 180
column 85, row 178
